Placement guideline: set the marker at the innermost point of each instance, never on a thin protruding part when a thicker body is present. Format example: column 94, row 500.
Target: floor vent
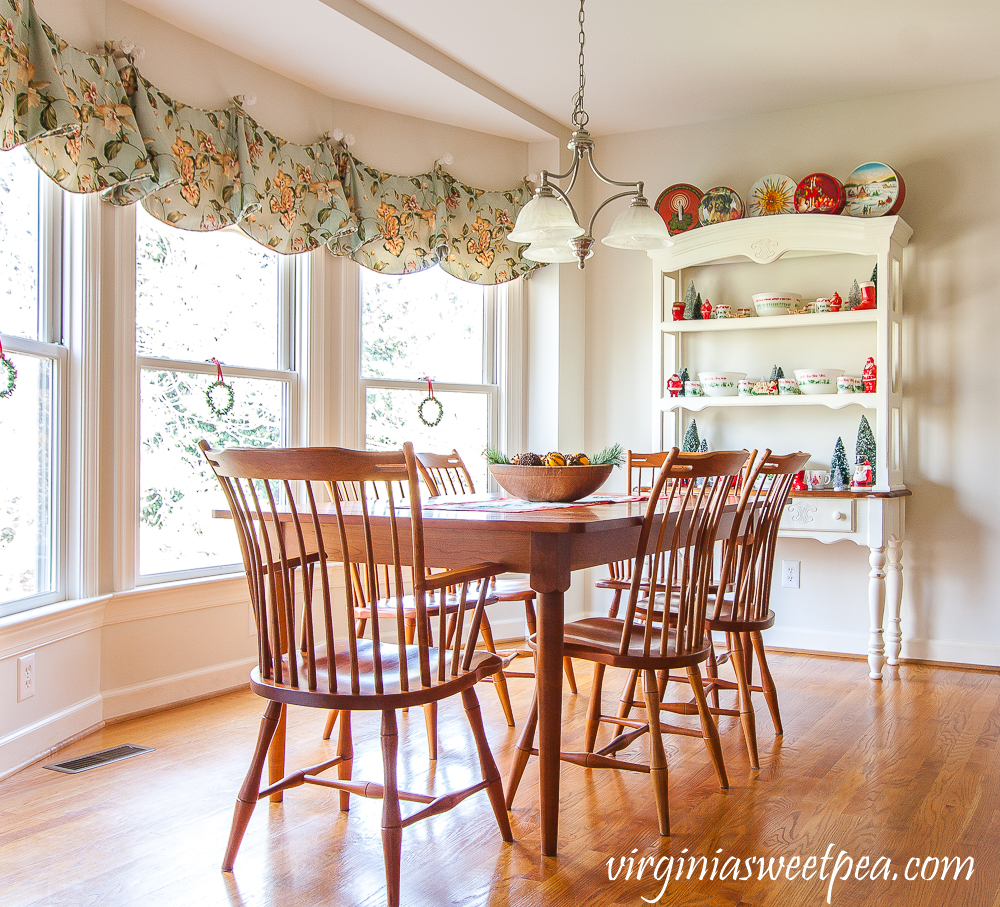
column 102, row 757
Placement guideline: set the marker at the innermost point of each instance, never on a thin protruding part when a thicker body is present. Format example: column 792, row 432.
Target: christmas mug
column 817, row 479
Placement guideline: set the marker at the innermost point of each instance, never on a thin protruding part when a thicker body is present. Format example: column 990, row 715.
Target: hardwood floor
column 909, row 768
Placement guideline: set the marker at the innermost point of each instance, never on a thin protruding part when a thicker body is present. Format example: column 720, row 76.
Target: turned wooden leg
column 331, row 720
column 499, row 681
column 746, row 706
column 657, row 754
column 431, row 721
column 345, row 748
column 893, row 598
column 712, row 670
column 247, row 797
column 570, row 675
column 523, row 750
column 594, row 709
column 276, row 756
column 359, row 627
column 486, row 762
column 616, row 602
column 876, row 609
column 767, row 682
column 625, row 702
column 709, row 729
column 392, row 822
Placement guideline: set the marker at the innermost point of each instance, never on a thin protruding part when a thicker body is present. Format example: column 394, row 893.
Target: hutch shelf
column 810, row 254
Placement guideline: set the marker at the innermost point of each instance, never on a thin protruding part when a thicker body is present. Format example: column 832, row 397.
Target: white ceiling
column 649, row 63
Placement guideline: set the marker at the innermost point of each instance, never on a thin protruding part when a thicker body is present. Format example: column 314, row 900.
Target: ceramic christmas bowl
column 721, row 384
column 775, row 303
column 560, row 484
column 818, row 380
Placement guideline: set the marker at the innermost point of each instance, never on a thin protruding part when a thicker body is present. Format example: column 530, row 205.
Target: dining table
column 547, row 545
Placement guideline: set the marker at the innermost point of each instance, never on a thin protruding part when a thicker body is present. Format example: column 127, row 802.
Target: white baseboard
column 177, row 688
column 817, row 640
column 953, row 652
column 35, row 741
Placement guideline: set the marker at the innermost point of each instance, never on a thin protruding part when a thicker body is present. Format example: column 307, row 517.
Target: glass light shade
column 545, row 218
column 552, row 253
column 638, row 227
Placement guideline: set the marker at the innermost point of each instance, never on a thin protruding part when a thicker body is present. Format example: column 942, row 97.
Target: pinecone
column 527, row 459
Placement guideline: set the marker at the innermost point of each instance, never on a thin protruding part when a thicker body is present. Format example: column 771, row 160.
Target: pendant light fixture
column 549, row 221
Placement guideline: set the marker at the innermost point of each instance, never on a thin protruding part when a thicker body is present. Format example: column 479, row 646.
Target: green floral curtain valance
column 92, row 123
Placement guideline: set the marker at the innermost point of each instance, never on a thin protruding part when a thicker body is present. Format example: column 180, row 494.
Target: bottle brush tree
column 691, row 443
column 690, row 303
column 840, row 472
column 866, row 444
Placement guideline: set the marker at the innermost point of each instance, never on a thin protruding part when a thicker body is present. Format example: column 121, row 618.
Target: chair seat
column 453, row 603
column 725, row 621
column 599, row 638
column 512, row 589
column 483, row 665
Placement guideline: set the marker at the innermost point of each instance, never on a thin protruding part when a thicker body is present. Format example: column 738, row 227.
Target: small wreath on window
column 219, row 395
column 8, row 380
column 430, row 398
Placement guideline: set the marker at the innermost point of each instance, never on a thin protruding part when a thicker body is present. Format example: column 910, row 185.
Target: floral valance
column 93, row 123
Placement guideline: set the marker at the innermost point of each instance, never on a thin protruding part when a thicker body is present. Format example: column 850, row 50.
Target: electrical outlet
column 790, row 574
column 25, row 677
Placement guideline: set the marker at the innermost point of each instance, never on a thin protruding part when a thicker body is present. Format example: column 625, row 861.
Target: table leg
column 893, row 598
column 549, row 674
column 876, row 608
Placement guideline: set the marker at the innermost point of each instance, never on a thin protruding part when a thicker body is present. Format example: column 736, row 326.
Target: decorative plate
column 772, row 194
column 874, row 189
column 819, row 193
column 718, row 205
column 678, row 206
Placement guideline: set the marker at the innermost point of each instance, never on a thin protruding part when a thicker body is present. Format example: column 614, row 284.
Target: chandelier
column 549, row 221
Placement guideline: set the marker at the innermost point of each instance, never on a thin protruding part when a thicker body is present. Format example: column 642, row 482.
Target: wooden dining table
column 547, row 546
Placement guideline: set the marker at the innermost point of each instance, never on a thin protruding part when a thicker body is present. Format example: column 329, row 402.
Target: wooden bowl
column 552, row 484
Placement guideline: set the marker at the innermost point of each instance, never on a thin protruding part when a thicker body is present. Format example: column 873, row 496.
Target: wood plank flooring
column 904, row 769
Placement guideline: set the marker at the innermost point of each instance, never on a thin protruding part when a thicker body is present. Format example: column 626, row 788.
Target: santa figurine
column 678, row 311
column 674, row 385
column 836, row 303
column 799, row 483
column 706, row 310
column 862, row 476
column 868, row 376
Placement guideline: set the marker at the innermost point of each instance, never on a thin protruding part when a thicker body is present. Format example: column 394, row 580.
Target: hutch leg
column 876, row 608
column 894, row 598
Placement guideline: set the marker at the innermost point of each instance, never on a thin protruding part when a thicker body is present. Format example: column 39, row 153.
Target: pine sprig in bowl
column 610, row 456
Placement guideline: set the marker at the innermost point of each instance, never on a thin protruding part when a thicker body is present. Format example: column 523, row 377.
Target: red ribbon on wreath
column 430, row 398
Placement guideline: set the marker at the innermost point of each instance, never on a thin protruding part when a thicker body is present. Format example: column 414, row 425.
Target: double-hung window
column 199, row 297
column 32, row 537
column 431, row 325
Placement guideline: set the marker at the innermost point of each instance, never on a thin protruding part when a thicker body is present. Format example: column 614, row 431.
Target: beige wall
column 946, row 144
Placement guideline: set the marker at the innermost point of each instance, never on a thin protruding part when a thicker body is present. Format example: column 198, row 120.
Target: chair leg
column 570, row 674
column 594, row 709
column 359, row 627
column 712, row 670
column 523, row 750
column 247, row 798
column 625, row 702
column 767, row 682
column 276, row 755
column 331, row 720
column 499, row 681
column 615, row 603
column 487, row 764
column 747, row 717
column 345, row 748
column 709, row 729
column 657, row 754
column 431, row 721
column 392, row 821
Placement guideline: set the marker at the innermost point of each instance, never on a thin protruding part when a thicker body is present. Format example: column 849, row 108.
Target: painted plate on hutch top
column 718, row 205
column 819, row 193
column 678, row 206
column 772, row 194
column 874, row 189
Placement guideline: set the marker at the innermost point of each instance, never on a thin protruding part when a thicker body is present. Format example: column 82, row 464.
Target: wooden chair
column 448, row 474
column 683, row 544
column 323, row 669
column 376, row 582
column 641, row 470
column 742, row 611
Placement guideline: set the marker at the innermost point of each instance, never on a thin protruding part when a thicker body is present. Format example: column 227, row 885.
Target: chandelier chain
column 580, row 116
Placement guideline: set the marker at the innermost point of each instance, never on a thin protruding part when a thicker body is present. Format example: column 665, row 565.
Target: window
column 31, row 417
column 201, row 296
column 430, row 324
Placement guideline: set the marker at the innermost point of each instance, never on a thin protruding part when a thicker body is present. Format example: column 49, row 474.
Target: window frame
column 293, row 285
column 51, row 344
